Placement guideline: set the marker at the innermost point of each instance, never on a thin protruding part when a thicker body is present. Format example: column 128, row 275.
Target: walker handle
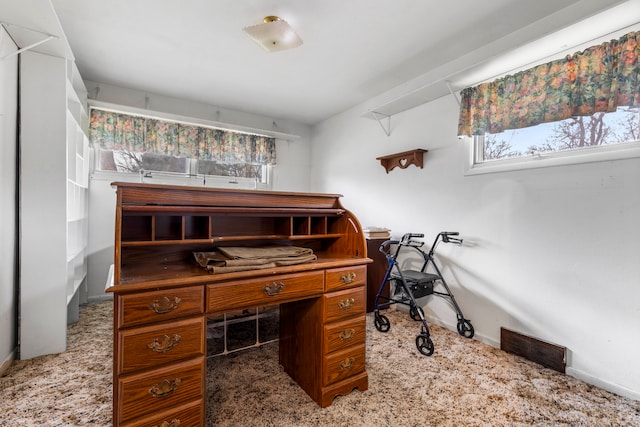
column 410, row 236
column 407, row 240
column 446, row 237
column 385, row 245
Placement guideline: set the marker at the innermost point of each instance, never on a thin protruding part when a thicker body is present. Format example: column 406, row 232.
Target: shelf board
column 222, row 239
column 76, row 285
column 249, row 211
column 72, row 257
column 315, row 236
column 76, row 184
column 407, row 101
column 166, row 242
column 402, row 160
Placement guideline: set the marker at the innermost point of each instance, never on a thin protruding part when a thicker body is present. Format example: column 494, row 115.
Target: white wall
column 8, row 112
column 551, row 253
column 290, row 174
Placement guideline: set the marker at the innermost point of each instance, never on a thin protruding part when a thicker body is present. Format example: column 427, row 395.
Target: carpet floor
column 464, row 383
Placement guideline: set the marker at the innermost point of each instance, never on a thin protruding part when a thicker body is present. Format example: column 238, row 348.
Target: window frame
column 189, row 178
column 602, row 153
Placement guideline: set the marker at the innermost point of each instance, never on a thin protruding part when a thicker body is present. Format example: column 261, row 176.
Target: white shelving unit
column 54, row 175
column 77, row 187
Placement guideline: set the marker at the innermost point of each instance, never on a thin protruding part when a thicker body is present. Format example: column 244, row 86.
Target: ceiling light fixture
column 274, row 34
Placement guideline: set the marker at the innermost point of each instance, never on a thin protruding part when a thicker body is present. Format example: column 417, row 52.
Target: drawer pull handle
column 173, row 423
column 348, row 277
column 165, row 388
column 347, row 334
column 164, row 344
column 346, row 304
column 273, row 288
column 347, row 363
column 165, row 305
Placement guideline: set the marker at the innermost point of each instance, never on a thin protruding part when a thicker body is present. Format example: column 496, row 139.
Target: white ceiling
column 353, row 50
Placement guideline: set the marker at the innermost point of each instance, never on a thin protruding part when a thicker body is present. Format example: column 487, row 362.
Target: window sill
column 99, row 175
column 197, row 181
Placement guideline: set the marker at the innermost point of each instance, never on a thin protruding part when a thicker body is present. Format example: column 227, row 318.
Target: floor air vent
column 549, row 355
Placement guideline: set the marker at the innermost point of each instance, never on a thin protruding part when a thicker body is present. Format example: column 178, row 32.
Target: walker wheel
column 414, row 312
column 381, row 322
column 424, row 344
column 465, row 328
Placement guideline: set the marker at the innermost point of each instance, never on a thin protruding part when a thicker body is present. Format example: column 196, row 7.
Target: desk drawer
column 159, row 306
column 343, row 364
column 340, row 335
column 190, row 414
column 160, row 390
column 348, row 277
column 342, row 304
column 151, row 346
column 263, row 291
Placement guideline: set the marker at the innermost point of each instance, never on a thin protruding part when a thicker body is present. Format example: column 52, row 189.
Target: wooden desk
column 162, row 297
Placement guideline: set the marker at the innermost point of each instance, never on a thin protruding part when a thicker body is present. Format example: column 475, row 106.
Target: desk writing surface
column 136, row 277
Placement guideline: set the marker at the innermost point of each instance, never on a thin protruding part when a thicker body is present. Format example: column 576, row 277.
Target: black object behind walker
column 409, row 285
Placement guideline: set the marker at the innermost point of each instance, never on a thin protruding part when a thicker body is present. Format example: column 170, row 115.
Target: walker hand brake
column 446, row 237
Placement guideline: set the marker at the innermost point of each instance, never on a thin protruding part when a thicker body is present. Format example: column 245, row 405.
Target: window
column 594, row 137
column 580, row 108
column 131, row 162
column 175, row 150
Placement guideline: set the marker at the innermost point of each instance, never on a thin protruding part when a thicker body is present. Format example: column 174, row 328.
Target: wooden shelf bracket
column 403, row 160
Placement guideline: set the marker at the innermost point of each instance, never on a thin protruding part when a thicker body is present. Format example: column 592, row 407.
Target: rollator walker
column 410, row 285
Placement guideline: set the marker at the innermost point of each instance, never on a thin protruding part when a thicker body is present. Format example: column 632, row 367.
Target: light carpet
column 464, row 383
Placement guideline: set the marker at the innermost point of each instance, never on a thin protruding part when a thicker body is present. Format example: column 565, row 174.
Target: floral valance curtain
column 599, row 79
column 117, row 131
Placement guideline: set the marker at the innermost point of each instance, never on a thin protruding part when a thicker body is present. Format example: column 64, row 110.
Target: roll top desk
column 162, row 297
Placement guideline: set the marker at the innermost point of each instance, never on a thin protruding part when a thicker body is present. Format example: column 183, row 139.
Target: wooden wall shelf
column 402, row 160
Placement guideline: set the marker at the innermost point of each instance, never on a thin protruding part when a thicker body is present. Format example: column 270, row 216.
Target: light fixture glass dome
column 274, row 34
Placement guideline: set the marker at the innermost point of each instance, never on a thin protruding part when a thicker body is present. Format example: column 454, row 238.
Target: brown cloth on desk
column 229, row 259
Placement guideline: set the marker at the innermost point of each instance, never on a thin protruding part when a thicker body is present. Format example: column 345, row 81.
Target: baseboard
column 605, row 385
column 97, row 299
column 7, row 362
